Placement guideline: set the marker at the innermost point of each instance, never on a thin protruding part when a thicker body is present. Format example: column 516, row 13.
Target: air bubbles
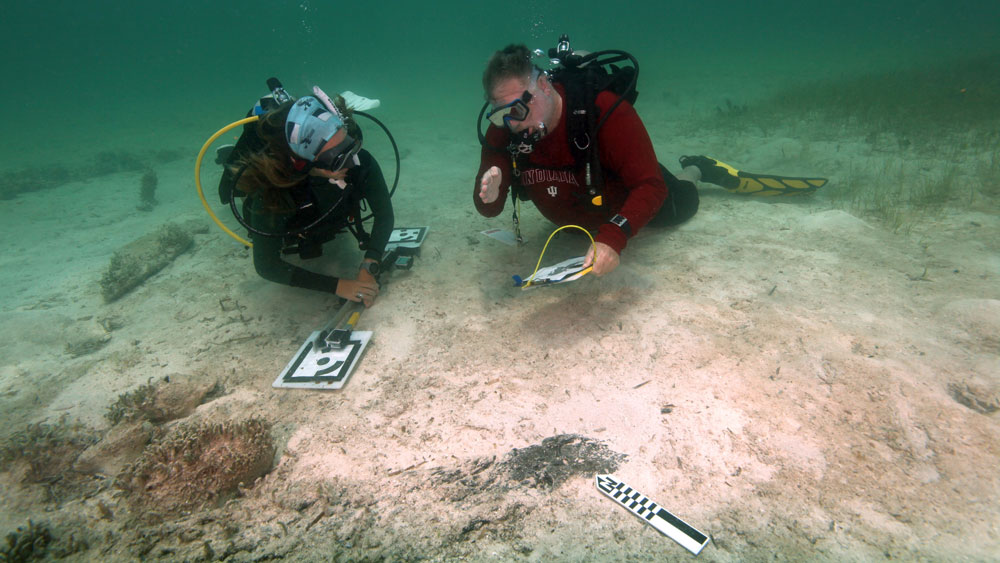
column 306, row 20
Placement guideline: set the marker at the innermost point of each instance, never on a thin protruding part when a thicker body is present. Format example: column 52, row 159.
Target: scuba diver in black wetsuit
column 306, row 179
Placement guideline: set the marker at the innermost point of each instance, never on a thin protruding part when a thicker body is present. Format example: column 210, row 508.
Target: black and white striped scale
column 652, row 513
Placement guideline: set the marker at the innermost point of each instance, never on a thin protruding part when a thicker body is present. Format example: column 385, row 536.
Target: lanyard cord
column 517, row 221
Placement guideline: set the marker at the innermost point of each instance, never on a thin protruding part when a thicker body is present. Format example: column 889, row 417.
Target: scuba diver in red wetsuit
column 571, row 142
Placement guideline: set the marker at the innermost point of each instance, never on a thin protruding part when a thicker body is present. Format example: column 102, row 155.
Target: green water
column 81, row 76
column 898, row 103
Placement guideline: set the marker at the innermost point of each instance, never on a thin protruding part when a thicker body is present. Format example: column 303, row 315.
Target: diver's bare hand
column 605, row 262
column 489, row 185
column 337, row 177
column 360, row 291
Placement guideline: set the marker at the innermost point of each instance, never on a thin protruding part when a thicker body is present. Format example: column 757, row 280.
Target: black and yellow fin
column 721, row 174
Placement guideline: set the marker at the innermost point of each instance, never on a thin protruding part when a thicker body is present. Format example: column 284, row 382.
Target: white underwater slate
column 565, row 271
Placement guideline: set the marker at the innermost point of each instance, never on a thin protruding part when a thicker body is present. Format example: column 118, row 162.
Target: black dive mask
column 340, row 156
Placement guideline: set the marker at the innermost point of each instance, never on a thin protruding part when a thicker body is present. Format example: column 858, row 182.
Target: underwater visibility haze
column 812, row 378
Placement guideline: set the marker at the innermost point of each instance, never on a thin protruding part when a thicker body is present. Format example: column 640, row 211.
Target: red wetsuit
column 633, row 184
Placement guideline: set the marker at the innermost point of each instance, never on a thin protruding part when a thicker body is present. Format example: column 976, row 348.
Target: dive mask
column 343, row 155
column 516, row 110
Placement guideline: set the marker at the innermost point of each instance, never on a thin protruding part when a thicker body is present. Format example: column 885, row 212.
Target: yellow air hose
column 197, row 175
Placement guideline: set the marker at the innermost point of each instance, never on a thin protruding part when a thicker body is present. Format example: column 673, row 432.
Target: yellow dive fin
column 716, row 172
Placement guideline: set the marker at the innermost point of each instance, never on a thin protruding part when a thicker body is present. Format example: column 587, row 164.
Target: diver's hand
column 338, row 178
column 606, row 261
column 364, row 276
column 489, row 185
column 360, row 290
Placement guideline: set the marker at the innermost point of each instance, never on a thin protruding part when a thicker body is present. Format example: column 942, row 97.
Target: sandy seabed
column 795, row 381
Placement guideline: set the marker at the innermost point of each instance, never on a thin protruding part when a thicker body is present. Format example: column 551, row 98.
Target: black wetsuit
column 366, row 192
